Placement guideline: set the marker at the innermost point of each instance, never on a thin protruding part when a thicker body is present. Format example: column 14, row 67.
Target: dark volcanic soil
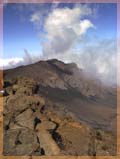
column 52, row 108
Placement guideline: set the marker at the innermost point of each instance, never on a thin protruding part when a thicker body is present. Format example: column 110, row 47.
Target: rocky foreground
column 44, row 114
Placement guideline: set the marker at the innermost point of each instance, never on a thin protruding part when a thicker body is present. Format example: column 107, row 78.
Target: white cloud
column 39, row 14
column 10, row 62
column 98, row 60
column 64, row 27
column 35, row 17
column 27, row 59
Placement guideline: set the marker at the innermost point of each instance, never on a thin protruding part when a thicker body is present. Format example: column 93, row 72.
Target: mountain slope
column 67, row 102
column 89, row 97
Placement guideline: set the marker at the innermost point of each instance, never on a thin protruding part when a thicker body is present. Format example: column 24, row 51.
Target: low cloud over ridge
column 65, row 29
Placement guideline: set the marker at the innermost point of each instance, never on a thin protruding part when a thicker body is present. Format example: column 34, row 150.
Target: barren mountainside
column 53, row 108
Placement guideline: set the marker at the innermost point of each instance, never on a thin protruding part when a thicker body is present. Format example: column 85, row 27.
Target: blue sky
column 20, row 33
column 82, row 33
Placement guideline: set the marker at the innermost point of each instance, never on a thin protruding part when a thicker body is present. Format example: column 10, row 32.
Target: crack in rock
column 46, row 141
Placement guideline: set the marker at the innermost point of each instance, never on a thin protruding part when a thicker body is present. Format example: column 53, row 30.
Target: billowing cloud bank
column 64, row 27
column 66, row 38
